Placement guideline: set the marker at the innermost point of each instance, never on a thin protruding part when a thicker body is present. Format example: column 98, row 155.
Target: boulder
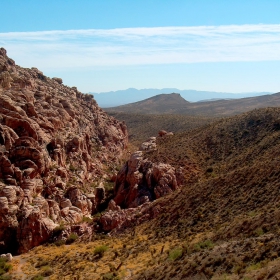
column 115, row 220
column 7, row 257
column 149, row 145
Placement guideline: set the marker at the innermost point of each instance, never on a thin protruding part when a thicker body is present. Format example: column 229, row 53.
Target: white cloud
column 137, row 46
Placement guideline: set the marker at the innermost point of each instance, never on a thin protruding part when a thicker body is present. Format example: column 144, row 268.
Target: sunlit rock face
column 141, row 180
column 55, row 145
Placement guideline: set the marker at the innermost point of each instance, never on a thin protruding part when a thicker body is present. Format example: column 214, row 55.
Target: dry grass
column 124, row 256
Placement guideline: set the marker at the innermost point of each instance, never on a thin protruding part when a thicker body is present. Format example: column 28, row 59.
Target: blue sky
column 231, row 46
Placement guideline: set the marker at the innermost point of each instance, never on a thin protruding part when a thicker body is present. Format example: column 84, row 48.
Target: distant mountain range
column 122, row 97
column 174, row 104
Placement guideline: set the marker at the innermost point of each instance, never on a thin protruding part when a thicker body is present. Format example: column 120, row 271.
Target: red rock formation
column 140, row 181
column 55, row 143
column 149, row 145
column 137, row 185
column 115, row 220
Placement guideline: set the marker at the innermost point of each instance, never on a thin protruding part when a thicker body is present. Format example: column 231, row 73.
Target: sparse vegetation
column 4, row 268
column 58, row 229
column 207, row 244
column 71, row 238
column 60, row 242
column 38, row 277
column 100, row 250
column 141, row 127
column 175, row 254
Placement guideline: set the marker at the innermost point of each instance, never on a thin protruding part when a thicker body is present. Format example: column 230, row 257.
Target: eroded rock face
column 137, row 185
column 55, row 144
column 115, row 220
column 140, row 181
column 34, row 228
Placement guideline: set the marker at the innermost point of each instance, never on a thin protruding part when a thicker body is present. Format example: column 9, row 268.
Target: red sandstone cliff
column 55, row 143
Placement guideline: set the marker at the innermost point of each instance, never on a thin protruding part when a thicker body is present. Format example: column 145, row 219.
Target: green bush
column 87, row 220
column 4, row 266
column 175, row 254
column 59, row 242
column 72, row 168
column 5, row 277
column 57, row 231
column 100, row 250
column 207, row 244
column 71, row 238
column 259, row 232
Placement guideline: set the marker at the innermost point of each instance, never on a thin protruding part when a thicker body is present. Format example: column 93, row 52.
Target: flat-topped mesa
column 55, row 145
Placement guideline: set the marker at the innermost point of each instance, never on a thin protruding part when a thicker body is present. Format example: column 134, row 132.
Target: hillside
column 142, row 126
column 162, row 103
column 130, row 95
column 210, row 108
column 221, row 223
column 56, row 145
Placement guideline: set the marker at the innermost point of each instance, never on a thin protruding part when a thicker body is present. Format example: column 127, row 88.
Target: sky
column 108, row 45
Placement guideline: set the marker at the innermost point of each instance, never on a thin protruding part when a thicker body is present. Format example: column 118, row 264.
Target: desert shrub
column 72, row 168
column 207, row 244
column 254, row 266
column 175, row 254
column 87, row 220
column 71, row 238
column 5, row 277
column 100, row 250
column 41, row 263
column 4, row 266
column 259, row 232
column 59, row 242
column 37, row 277
column 47, row 271
column 57, row 231
column 110, row 276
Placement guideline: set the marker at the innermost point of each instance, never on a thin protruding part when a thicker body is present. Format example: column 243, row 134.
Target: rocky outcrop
column 140, row 181
column 115, row 220
column 149, row 145
column 55, row 146
column 35, row 227
column 7, row 257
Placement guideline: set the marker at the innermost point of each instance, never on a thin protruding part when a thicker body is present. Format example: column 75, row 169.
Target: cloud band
column 140, row 46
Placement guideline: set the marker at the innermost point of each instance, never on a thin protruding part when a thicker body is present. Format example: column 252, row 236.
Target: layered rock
column 55, row 144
